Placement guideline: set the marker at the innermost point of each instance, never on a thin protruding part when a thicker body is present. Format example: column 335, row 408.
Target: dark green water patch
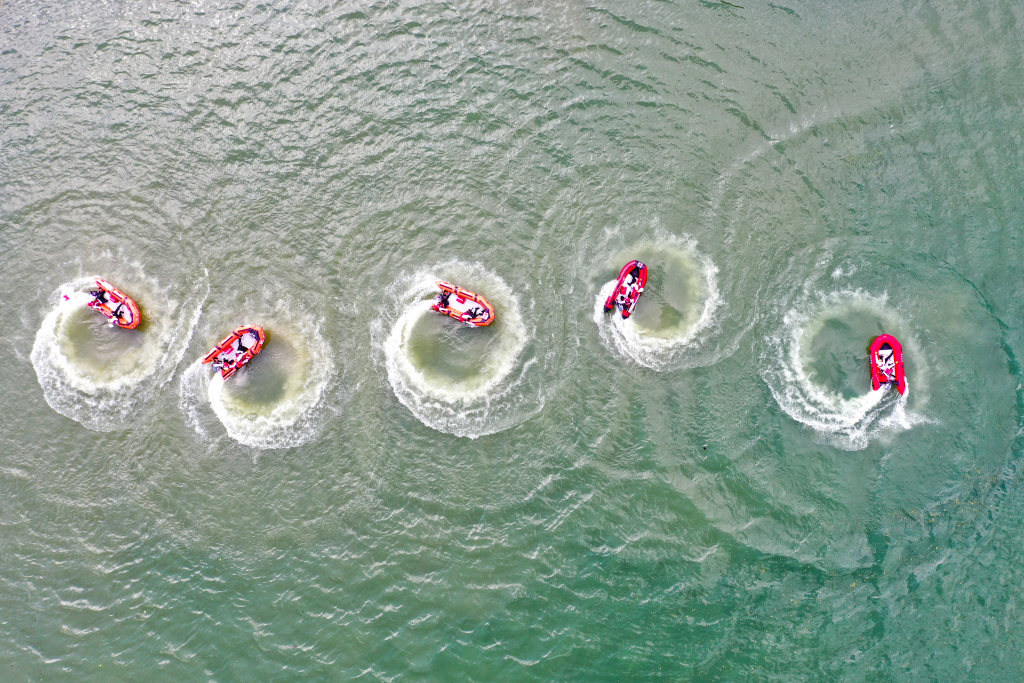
column 674, row 296
column 264, row 383
column 836, row 355
column 89, row 342
column 663, row 302
column 441, row 347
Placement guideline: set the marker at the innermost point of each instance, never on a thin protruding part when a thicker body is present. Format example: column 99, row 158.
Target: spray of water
column 845, row 421
column 676, row 313
column 277, row 401
column 472, row 381
column 103, row 377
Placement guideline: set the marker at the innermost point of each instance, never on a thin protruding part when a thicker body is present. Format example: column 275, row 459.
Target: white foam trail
column 495, row 397
column 290, row 420
column 666, row 348
column 192, row 393
column 495, row 369
column 104, row 396
column 820, row 118
column 848, row 423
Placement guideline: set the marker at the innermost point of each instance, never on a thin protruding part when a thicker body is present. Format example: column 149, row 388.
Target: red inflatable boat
column 887, row 363
column 236, row 350
column 463, row 305
column 117, row 306
column 631, row 283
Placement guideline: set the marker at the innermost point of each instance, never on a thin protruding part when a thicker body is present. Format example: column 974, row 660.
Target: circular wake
column 273, row 402
column 463, row 380
column 817, row 368
column 102, row 376
column 674, row 315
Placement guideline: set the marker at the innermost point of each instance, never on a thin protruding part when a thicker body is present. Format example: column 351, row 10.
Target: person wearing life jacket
column 242, row 350
column 441, row 302
column 223, row 361
column 887, row 363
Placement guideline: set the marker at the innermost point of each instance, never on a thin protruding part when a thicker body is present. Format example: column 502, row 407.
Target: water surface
column 709, row 491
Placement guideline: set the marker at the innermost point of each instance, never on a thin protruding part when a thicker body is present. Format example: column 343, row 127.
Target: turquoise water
column 707, row 492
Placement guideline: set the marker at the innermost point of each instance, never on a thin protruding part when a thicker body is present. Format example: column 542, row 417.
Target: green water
column 707, row 492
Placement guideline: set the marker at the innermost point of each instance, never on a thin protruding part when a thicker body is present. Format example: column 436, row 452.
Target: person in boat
column 473, row 313
column 442, row 299
column 240, row 352
column 99, row 296
column 887, row 363
column 223, row 361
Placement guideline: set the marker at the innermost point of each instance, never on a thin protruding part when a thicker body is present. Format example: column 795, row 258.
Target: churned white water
column 846, row 419
column 488, row 388
column 102, row 376
column 277, row 400
column 675, row 314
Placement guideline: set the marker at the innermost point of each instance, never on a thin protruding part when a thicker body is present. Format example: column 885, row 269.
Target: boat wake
column 675, row 314
column 102, row 376
column 462, row 380
column 276, row 401
column 819, row 374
